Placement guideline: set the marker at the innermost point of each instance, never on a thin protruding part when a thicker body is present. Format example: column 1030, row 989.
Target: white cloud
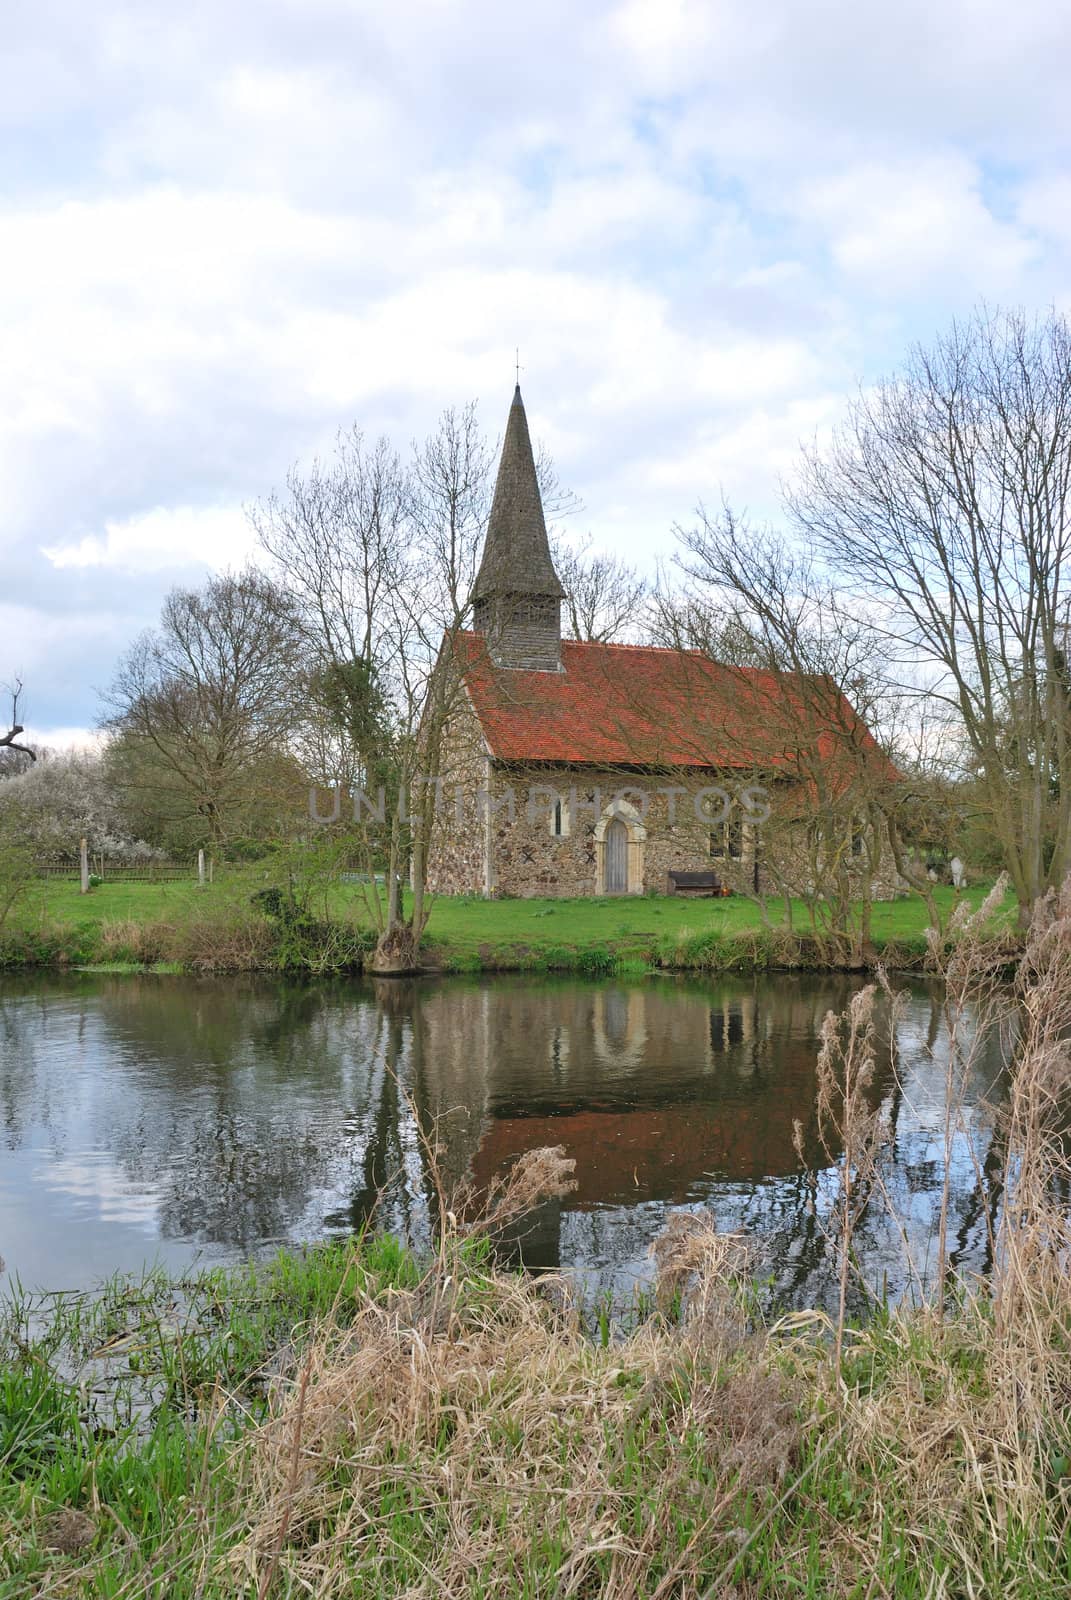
column 161, row 539
column 897, row 225
column 64, row 738
column 743, row 459
column 230, row 230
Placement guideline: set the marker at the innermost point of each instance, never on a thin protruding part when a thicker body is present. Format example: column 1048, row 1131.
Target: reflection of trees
column 379, row 1185
column 257, row 1111
column 230, row 1102
column 258, row 1105
column 20, row 1071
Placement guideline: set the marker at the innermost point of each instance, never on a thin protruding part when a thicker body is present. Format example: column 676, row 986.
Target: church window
column 559, row 820
column 727, row 840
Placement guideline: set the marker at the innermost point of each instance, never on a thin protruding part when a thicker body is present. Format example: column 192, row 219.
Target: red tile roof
column 636, row 705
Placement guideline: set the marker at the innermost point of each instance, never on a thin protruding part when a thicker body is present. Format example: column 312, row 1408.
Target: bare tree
column 380, row 558
column 9, row 740
column 942, row 508
column 810, row 670
column 605, row 598
column 205, row 701
column 337, row 534
column 337, row 538
column 449, row 499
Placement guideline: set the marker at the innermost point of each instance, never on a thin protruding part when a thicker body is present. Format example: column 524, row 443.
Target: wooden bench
column 696, row 883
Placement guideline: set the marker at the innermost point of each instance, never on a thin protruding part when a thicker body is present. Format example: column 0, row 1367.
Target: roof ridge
column 665, row 649
column 649, row 649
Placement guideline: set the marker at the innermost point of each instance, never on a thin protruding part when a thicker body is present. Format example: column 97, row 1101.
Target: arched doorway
column 616, row 857
column 619, row 843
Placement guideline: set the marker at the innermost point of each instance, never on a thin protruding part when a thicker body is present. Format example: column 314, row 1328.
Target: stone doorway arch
column 620, row 838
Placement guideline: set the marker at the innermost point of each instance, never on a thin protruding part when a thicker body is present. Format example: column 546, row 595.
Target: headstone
column 201, row 868
column 958, row 871
column 84, row 864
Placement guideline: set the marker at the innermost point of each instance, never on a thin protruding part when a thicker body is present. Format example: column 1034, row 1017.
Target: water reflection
column 161, row 1117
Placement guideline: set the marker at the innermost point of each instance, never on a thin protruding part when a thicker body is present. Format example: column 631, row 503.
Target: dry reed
column 519, row 1445
column 477, row 1442
column 466, row 1437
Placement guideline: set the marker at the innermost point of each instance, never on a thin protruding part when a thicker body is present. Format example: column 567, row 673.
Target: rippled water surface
column 168, row 1119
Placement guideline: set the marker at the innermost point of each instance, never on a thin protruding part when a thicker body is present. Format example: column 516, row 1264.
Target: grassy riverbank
column 345, row 1423
column 355, row 1422
column 180, row 926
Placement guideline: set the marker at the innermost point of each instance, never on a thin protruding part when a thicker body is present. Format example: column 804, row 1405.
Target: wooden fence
column 120, row 871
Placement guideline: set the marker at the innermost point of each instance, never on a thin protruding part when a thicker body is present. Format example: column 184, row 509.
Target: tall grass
column 353, row 1423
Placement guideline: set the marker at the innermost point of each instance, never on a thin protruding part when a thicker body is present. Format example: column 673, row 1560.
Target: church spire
column 517, row 596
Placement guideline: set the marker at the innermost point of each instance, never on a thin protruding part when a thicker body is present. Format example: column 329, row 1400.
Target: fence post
column 201, row 868
column 84, row 866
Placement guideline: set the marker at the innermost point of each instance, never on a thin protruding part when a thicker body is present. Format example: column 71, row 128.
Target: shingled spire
column 517, row 597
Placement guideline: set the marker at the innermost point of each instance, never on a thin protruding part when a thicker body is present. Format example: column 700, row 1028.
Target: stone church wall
column 509, row 845
column 664, row 832
column 458, row 847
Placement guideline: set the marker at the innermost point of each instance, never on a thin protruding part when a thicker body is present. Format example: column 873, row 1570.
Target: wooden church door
column 617, row 857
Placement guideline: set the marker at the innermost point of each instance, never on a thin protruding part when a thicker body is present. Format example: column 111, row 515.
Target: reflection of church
column 241, row 1114
column 652, row 1090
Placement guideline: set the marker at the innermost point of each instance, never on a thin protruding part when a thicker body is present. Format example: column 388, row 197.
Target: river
column 176, row 1120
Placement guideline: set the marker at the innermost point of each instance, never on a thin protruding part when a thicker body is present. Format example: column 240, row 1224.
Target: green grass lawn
column 466, row 931
column 631, row 925
column 62, row 900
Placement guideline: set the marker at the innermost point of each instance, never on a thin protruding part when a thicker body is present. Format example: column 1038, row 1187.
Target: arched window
column 727, row 840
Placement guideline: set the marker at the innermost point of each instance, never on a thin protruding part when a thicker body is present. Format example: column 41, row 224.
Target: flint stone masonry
column 506, row 845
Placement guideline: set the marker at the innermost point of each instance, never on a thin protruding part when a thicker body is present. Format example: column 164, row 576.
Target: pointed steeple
column 517, row 596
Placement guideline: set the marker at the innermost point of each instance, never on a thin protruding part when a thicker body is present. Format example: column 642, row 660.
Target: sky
column 228, row 229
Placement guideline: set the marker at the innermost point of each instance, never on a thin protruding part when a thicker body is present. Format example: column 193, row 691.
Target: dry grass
column 534, row 1178
column 497, row 1450
column 966, row 1435
column 465, row 1436
column 468, row 1437
column 852, row 1129
column 968, row 1430
column 231, row 944
column 140, row 943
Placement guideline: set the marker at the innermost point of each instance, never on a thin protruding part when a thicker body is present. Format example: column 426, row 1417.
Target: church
column 619, row 769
